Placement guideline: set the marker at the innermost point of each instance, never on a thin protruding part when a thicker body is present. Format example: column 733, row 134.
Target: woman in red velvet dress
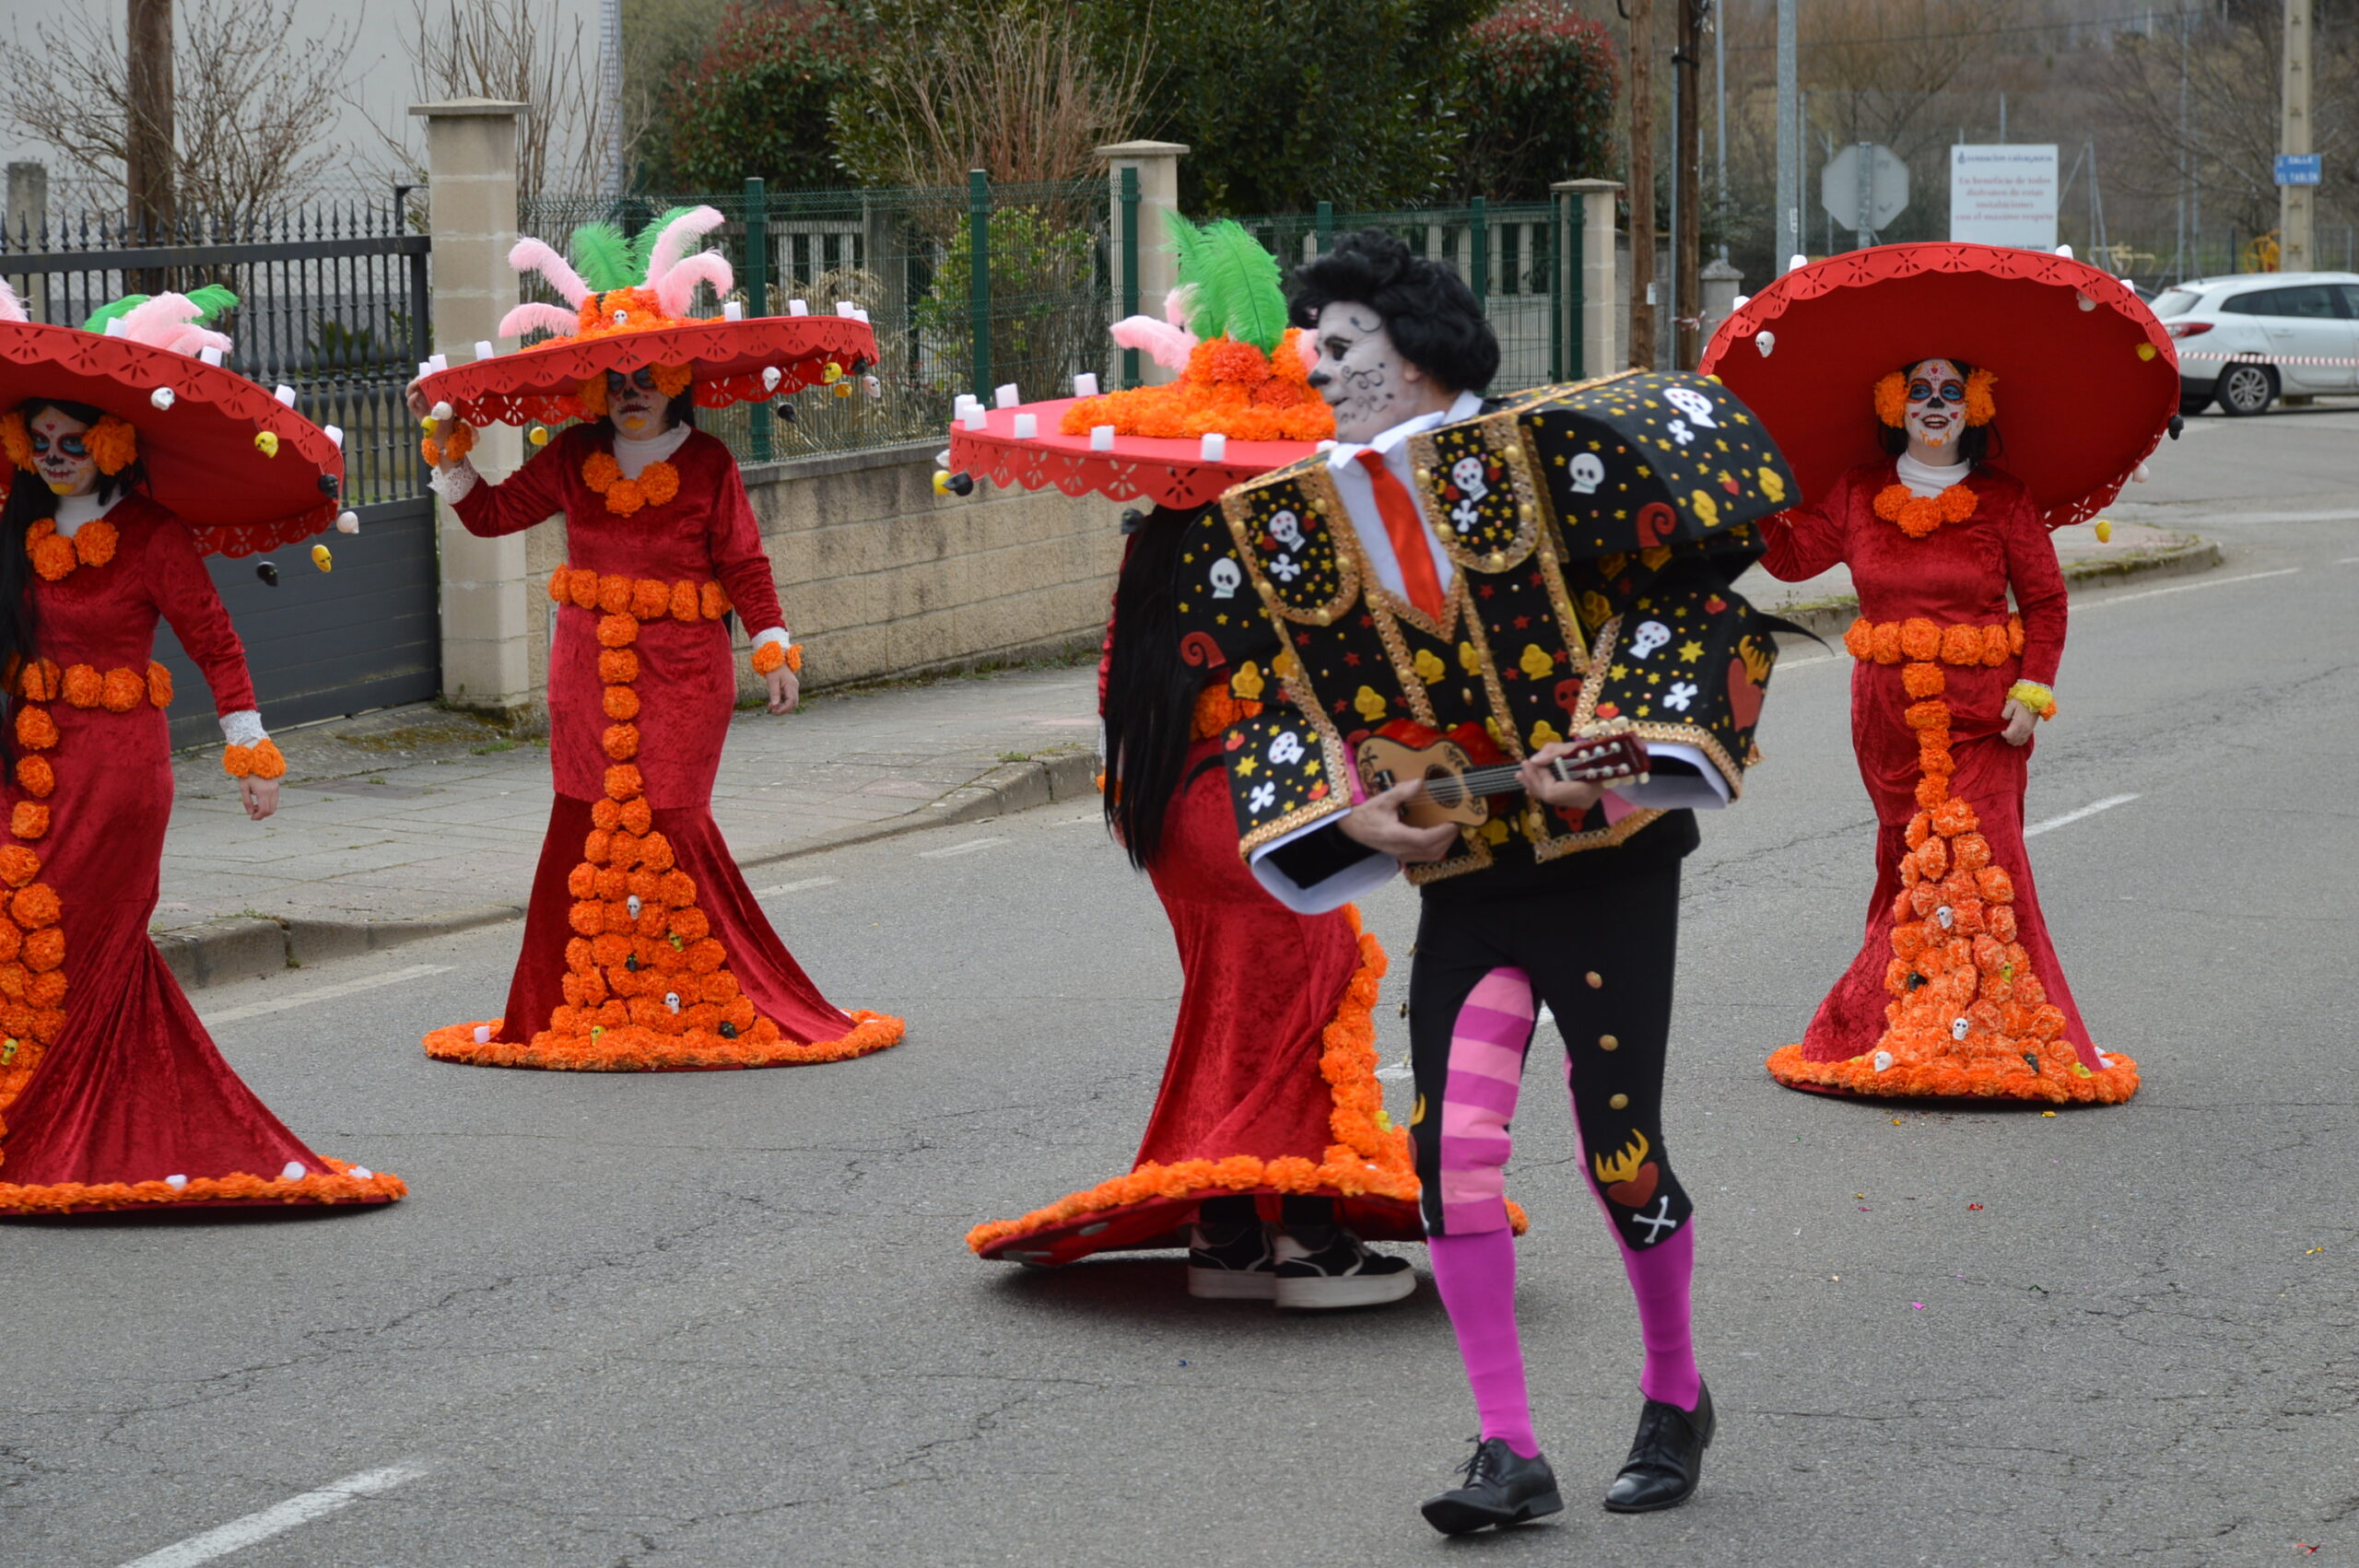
column 643, row 947
column 1956, row 988
column 112, row 1095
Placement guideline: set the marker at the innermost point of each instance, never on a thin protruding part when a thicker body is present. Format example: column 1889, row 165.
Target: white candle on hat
column 1027, row 426
column 1214, row 446
column 1006, row 396
column 1085, row 384
column 1101, row 437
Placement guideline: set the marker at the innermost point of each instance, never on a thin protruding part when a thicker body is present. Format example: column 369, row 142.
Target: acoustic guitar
column 1456, row 789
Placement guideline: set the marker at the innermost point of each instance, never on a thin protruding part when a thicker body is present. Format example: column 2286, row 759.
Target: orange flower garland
column 260, row 760
column 112, row 444
column 56, row 556
column 16, row 440
column 1230, row 388
column 657, row 484
column 452, row 447
column 1969, row 1017
column 338, row 1185
column 648, row 987
column 1921, row 515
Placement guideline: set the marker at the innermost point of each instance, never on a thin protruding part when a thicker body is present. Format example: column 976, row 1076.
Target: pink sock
column 1475, row 1275
column 1659, row 1279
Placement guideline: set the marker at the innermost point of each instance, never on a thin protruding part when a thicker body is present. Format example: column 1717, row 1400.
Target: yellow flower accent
column 1773, row 484
column 1246, row 683
column 1595, row 610
column 1535, row 663
column 1371, row 706
column 1545, row 733
column 1707, row 510
column 1468, row 659
column 1496, row 831
column 1429, row 668
column 2145, row 351
column 1286, row 666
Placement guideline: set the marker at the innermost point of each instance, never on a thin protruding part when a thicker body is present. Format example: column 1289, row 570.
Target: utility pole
column 1642, row 184
column 1687, row 179
column 148, row 138
column 616, row 179
column 1720, row 139
column 1790, row 143
column 2296, row 204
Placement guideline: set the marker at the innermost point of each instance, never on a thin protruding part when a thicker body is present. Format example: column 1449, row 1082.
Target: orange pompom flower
column 1923, row 680
column 83, row 685
column 659, row 484
column 588, row 918
column 159, row 686
column 94, row 542
column 1891, row 399
column 1962, row 645
column 18, row 865
column 684, row 605
column 621, row 703
column 582, row 881
column 712, row 601
column 659, row 853
column 651, row 599
column 606, row 815
column 1958, row 503
column 616, row 631
column 691, row 925
column 16, row 440
column 52, row 557
column 35, row 729
column 120, row 691
column 46, row 989
column 623, row 782
column 621, row 741
column 768, row 657
column 35, row 776
column 41, row 681
column 614, row 593
column 28, row 821
column 617, row 666
column 581, row 587
column 1860, row 638
column 1920, row 639
column 638, row 816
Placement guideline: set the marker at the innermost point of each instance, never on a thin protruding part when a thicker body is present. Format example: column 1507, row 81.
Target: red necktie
column 1407, row 531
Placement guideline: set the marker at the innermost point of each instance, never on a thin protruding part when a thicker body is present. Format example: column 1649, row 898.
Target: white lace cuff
column 452, row 483
column 776, row 634
column 242, row 728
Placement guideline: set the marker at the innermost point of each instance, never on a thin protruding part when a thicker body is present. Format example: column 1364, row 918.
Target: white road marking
column 802, row 886
column 240, row 1534
column 2079, row 605
column 2069, row 817
column 323, row 993
column 968, row 848
column 2348, row 561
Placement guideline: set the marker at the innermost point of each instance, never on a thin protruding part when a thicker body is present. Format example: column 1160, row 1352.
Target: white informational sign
column 2003, row 195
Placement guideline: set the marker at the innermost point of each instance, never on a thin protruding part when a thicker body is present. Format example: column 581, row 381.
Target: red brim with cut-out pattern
column 2088, row 380
column 727, row 360
column 202, row 461
column 1170, row 472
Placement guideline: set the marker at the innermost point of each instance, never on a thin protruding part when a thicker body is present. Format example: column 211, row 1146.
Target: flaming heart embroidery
column 1629, row 1177
column 1746, row 672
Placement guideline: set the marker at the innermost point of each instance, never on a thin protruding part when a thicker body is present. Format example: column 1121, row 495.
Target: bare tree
column 253, row 95
column 1015, row 90
column 508, row 50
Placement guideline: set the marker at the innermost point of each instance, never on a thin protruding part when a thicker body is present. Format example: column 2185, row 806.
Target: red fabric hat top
column 2087, row 378
column 200, row 450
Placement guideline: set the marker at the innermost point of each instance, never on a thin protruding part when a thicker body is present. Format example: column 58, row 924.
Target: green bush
column 757, row 103
column 1048, row 319
column 1543, row 83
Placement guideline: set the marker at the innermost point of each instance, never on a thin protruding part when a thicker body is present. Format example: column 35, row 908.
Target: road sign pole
column 1866, row 218
column 1789, row 144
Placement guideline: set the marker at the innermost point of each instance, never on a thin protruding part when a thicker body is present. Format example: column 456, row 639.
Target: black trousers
column 1599, row 949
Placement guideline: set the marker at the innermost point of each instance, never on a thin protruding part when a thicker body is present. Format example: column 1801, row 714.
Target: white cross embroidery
column 1658, row 1222
column 1264, row 797
column 1681, row 693
column 1285, row 568
column 1681, row 433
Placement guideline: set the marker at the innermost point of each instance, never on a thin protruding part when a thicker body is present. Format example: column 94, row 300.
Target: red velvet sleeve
column 184, row 594
column 2038, row 584
column 533, row 494
column 1805, row 540
column 738, row 559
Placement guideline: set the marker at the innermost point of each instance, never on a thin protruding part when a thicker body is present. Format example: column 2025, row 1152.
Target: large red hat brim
column 2088, row 380
column 1170, row 473
column 201, row 462
column 726, row 359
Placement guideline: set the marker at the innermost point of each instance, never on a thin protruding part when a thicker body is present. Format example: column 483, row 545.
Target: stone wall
column 880, row 577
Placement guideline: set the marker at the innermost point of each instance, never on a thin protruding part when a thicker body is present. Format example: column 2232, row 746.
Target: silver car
column 2245, row 341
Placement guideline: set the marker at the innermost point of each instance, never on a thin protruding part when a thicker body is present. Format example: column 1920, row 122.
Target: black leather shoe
column 1502, row 1488
column 1666, row 1459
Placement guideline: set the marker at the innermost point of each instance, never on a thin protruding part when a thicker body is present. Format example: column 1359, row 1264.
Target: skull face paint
column 1936, row 411
column 637, row 409
column 1362, row 377
column 60, row 459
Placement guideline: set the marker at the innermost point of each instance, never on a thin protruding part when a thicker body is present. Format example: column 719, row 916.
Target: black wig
column 1428, row 309
column 1150, row 688
column 28, row 501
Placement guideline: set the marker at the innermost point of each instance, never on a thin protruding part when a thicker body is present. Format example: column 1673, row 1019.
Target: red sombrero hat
column 1167, row 471
column 2087, row 380
column 630, row 302
column 197, row 423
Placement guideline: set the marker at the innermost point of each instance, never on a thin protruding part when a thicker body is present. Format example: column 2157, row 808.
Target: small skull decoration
column 1946, row 916
column 632, row 903
column 1649, row 636
column 1467, row 474
column 1589, row 473
column 1287, row 750
column 1693, row 404
column 1225, row 575
column 671, row 1000
column 1958, row 1026
column 1287, row 529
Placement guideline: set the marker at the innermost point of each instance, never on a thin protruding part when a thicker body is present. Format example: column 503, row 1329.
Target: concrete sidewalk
column 414, row 822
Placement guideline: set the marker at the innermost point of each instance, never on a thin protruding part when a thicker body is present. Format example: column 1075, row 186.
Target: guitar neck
column 1481, row 782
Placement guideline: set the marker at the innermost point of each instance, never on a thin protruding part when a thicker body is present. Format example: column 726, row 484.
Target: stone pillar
column 1158, row 166
column 28, row 220
column 1600, row 284
column 1722, row 283
column 471, row 174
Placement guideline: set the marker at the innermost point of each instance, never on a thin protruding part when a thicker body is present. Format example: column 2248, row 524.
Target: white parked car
column 2248, row 340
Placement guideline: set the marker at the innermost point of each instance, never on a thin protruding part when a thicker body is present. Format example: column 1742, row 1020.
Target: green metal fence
column 973, row 288
column 967, row 289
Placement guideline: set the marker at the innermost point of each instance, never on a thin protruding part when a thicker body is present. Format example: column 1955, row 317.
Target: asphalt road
column 723, row 1319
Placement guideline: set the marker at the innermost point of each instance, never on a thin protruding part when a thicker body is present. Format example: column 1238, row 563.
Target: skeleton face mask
column 60, row 459
column 1363, row 377
column 1936, row 413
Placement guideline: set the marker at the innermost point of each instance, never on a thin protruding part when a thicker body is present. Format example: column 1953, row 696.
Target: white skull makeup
column 1936, row 415
column 1363, row 377
column 59, row 456
column 637, row 409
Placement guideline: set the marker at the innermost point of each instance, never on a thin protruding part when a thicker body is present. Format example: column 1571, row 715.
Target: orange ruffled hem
column 1371, row 1161
column 632, row 1049
column 1986, row 1079
column 78, row 1198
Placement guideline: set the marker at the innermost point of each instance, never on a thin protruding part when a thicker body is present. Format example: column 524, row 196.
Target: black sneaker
column 1667, row 1458
column 1234, row 1266
column 1320, row 1272
column 1502, row 1488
